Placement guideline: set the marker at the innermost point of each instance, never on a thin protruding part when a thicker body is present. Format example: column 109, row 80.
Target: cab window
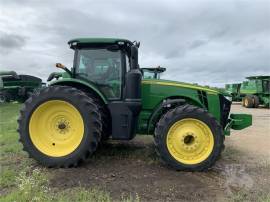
column 103, row 68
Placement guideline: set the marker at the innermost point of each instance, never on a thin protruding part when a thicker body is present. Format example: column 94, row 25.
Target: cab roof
column 98, row 40
column 258, row 77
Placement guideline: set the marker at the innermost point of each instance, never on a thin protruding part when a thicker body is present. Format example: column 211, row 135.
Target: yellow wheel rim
column 246, row 102
column 190, row 141
column 56, row 128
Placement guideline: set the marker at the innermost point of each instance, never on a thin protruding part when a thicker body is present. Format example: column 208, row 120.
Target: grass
column 34, row 186
column 10, row 150
column 23, row 180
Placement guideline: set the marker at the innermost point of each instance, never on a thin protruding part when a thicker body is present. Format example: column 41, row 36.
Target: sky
column 208, row 42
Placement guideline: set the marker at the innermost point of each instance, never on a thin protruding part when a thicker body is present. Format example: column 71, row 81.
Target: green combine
column 234, row 90
column 14, row 87
column 105, row 96
column 255, row 91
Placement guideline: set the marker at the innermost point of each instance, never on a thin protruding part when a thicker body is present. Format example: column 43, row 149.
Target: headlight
column 228, row 98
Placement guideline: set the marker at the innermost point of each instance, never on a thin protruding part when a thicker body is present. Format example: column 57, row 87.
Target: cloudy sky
column 203, row 41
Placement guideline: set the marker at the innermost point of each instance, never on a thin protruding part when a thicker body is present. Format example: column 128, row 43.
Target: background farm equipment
column 255, row 91
column 14, row 87
column 234, row 90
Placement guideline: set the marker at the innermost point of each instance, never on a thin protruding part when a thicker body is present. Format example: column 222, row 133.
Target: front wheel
column 60, row 126
column 189, row 138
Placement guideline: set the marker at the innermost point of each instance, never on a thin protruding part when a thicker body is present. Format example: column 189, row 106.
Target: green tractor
column 152, row 72
column 234, row 90
column 14, row 87
column 104, row 96
column 255, row 91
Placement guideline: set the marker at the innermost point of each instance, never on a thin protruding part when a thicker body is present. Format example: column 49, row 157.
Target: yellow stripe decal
column 178, row 84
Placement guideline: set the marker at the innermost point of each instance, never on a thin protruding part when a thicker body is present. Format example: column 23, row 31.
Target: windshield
column 103, row 68
column 266, row 86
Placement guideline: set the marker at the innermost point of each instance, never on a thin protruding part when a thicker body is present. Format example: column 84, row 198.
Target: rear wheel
column 60, row 126
column 248, row 101
column 256, row 101
column 4, row 97
column 189, row 138
column 105, row 117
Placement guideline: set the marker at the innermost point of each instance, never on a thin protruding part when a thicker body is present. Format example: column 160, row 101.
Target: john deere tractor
column 104, row 96
column 256, row 91
column 14, row 87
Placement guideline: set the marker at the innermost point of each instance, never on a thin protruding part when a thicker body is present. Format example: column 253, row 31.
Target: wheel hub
column 189, row 138
column 189, row 141
column 62, row 126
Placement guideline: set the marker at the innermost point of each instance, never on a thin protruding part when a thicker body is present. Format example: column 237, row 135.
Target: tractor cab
column 256, row 84
column 104, row 64
column 262, row 83
column 152, row 72
column 234, row 90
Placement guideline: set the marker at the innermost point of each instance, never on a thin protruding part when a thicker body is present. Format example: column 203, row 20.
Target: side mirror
column 61, row 66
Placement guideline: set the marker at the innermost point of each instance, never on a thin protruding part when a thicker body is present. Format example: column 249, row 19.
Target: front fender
column 156, row 112
column 75, row 82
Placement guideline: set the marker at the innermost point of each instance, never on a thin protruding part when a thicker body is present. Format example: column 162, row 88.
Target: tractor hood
column 183, row 85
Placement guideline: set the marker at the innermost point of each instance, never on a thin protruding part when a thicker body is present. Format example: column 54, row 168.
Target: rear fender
column 80, row 85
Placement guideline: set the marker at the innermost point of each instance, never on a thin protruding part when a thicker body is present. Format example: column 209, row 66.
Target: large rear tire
column 256, row 101
column 189, row 138
column 248, row 101
column 4, row 97
column 105, row 117
column 60, row 126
